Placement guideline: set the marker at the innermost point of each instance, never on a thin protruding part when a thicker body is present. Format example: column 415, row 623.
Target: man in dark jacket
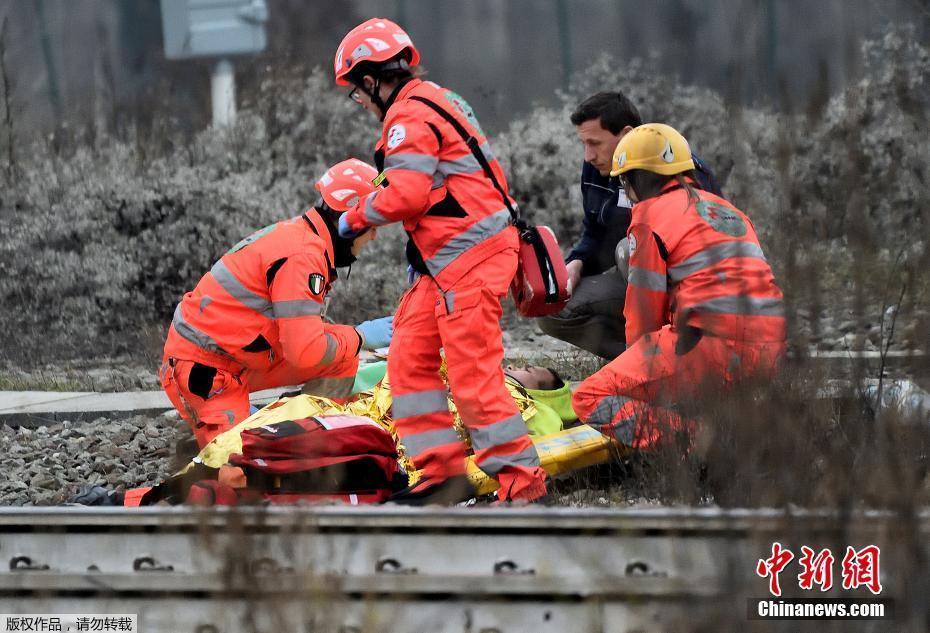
column 593, row 318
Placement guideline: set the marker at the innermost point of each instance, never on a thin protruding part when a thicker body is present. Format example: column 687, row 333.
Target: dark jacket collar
column 401, row 91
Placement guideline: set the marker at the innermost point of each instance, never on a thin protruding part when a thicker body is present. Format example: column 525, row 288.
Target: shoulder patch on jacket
column 396, row 135
column 721, row 219
column 316, row 282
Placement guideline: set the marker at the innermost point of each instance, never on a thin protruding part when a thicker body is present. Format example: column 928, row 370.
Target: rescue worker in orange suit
column 463, row 251
column 254, row 321
column 702, row 309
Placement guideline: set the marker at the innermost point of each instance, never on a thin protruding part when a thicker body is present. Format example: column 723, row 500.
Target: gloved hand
column 345, row 230
column 376, row 333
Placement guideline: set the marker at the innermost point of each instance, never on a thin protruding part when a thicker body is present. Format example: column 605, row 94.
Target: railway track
column 386, row 569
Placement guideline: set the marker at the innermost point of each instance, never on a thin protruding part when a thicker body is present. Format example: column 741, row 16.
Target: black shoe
column 93, row 495
column 430, row 492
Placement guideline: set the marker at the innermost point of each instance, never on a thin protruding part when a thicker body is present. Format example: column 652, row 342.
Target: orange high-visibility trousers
column 213, row 400
column 465, row 322
column 633, row 398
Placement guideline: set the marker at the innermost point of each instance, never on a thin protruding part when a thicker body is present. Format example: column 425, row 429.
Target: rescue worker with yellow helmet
column 463, row 247
column 702, row 308
column 596, row 263
column 254, row 321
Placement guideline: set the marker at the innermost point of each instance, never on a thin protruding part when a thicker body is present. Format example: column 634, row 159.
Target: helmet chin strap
column 375, row 96
column 375, row 93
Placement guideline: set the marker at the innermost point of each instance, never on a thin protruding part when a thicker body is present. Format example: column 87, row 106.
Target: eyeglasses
column 355, row 96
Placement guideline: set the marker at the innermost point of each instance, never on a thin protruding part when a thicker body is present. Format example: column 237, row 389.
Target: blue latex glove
column 376, row 333
column 345, row 230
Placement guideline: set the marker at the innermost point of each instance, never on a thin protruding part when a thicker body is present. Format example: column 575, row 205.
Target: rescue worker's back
column 701, row 263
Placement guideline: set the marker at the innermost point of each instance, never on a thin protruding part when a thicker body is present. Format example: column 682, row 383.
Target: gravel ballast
column 45, row 465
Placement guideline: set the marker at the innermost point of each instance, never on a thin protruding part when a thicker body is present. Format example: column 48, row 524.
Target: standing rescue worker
column 464, row 249
column 702, row 309
column 254, row 321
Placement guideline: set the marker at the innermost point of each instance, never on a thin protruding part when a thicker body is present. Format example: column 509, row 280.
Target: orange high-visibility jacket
column 436, row 187
column 699, row 265
column 262, row 301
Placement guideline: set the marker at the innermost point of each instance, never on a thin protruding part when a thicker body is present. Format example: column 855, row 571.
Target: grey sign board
column 201, row 28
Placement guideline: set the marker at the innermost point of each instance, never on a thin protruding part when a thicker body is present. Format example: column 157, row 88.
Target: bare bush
column 100, row 242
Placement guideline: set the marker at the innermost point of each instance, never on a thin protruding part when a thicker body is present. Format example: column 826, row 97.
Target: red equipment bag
column 343, row 457
column 540, row 286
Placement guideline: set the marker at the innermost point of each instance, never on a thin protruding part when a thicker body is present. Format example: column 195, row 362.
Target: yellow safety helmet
column 654, row 147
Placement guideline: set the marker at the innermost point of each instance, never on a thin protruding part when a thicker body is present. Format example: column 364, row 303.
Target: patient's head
column 534, row 377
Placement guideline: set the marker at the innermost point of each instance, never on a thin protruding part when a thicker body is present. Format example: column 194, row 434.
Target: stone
column 46, row 482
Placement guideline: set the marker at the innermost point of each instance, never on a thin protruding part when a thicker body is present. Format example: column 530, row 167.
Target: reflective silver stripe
column 373, row 217
column 740, row 304
column 420, row 403
column 234, row 287
column 624, row 431
column 450, row 301
column 506, row 430
column 330, row 354
column 486, row 150
column 296, row 308
column 194, row 335
column 713, row 255
column 330, row 387
column 528, row 458
column 438, row 180
column 466, row 164
column 423, row 163
column 642, row 278
column 606, row 409
column 205, row 302
column 418, row 443
column 475, row 234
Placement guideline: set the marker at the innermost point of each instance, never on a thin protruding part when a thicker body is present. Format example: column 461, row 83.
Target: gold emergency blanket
column 374, row 404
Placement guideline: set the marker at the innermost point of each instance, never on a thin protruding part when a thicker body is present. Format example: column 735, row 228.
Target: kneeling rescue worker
column 464, row 250
column 702, row 308
column 254, row 320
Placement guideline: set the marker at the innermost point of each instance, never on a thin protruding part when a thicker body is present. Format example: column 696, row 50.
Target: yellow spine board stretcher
column 559, row 453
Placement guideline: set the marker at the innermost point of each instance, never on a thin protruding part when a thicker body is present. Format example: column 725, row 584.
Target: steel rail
column 387, row 568
column 528, row 518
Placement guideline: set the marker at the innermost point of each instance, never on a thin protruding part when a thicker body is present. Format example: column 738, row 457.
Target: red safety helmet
column 345, row 183
column 376, row 40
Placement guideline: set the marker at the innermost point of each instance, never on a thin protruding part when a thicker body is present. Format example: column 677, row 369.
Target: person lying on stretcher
column 543, row 398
